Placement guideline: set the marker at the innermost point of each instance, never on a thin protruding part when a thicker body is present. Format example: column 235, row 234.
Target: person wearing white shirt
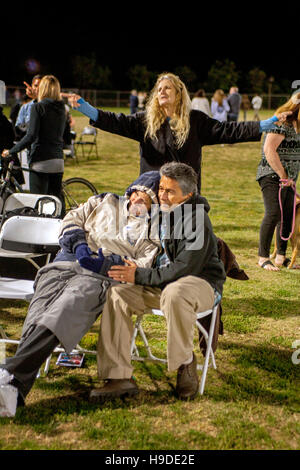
column 200, row 102
column 256, row 104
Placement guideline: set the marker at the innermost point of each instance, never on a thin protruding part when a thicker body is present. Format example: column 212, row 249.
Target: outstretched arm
column 125, row 125
column 81, row 105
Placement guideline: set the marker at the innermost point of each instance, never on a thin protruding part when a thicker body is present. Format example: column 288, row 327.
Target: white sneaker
column 5, row 377
column 8, row 395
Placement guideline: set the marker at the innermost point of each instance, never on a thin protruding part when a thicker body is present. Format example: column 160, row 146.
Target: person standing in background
column 7, row 137
column 45, row 139
column 133, row 102
column 200, row 102
column 256, row 104
column 245, row 105
column 32, row 90
column 219, row 106
column 280, row 161
column 142, row 95
column 234, row 101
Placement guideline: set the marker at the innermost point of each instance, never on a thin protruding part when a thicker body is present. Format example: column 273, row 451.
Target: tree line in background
column 87, row 73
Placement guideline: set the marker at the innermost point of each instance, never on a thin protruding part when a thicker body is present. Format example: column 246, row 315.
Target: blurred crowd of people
column 222, row 107
column 227, row 108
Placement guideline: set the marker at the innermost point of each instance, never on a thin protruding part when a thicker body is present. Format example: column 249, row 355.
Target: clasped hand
column 282, row 117
column 83, row 255
column 99, row 265
column 286, row 182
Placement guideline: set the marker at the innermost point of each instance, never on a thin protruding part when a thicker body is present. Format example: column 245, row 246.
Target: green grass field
column 251, row 401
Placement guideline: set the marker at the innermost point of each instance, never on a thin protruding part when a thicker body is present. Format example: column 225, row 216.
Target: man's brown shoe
column 115, row 388
column 187, row 385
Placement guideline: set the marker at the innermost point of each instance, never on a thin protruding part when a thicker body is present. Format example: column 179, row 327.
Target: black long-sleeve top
column 155, row 152
column 45, row 131
column 7, row 134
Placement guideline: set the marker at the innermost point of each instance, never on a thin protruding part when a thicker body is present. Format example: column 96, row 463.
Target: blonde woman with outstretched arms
column 169, row 129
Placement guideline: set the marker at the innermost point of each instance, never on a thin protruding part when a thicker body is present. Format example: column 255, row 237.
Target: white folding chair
column 88, row 140
column 50, row 205
column 17, row 200
column 32, row 234
column 208, row 336
column 36, row 236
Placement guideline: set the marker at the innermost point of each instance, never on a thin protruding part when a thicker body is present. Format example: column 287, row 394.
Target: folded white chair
column 18, row 289
column 17, row 200
column 208, row 336
column 49, row 205
column 36, row 236
column 29, row 238
column 32, row 234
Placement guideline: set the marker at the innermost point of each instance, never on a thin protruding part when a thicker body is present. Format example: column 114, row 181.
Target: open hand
column 123, row 273
column 72, row 99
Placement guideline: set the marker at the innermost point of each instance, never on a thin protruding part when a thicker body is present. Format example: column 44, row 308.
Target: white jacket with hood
column 68, row 298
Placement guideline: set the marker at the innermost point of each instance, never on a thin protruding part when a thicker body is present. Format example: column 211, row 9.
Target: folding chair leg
column 205, row 334
column 208, row 336
column 134, row 350
column 37, row 266
column 2, row 333
column 208, row 350
column 149, row 352
column 47, row 365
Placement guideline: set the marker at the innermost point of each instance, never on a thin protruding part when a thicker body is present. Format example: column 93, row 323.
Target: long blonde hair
column 219, row 95
column 293, row 104
column 155, row 116
column 49, row 88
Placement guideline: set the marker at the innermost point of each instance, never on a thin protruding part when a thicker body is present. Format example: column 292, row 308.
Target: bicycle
column 75, row 190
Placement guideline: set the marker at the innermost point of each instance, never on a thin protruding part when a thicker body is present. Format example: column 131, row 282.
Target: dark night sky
column 157, row 41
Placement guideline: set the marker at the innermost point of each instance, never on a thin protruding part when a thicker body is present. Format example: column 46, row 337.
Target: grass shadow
column 261, row 307
column 258, row 373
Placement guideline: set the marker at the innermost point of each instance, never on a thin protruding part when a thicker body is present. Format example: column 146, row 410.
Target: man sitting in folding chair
column 70, row 292
column 187, row 277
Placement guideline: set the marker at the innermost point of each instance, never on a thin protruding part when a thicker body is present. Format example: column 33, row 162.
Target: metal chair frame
column 11, row 288
column 92, row 142
column 208, row 336
column 16, row 231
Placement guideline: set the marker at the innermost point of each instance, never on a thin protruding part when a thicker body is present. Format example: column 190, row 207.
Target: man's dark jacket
column 203, row 262
column 155, row 152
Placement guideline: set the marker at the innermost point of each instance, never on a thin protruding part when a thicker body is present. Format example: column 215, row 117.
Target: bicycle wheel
column 77, row 191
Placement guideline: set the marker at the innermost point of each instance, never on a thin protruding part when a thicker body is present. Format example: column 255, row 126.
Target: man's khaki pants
column 179, row 301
